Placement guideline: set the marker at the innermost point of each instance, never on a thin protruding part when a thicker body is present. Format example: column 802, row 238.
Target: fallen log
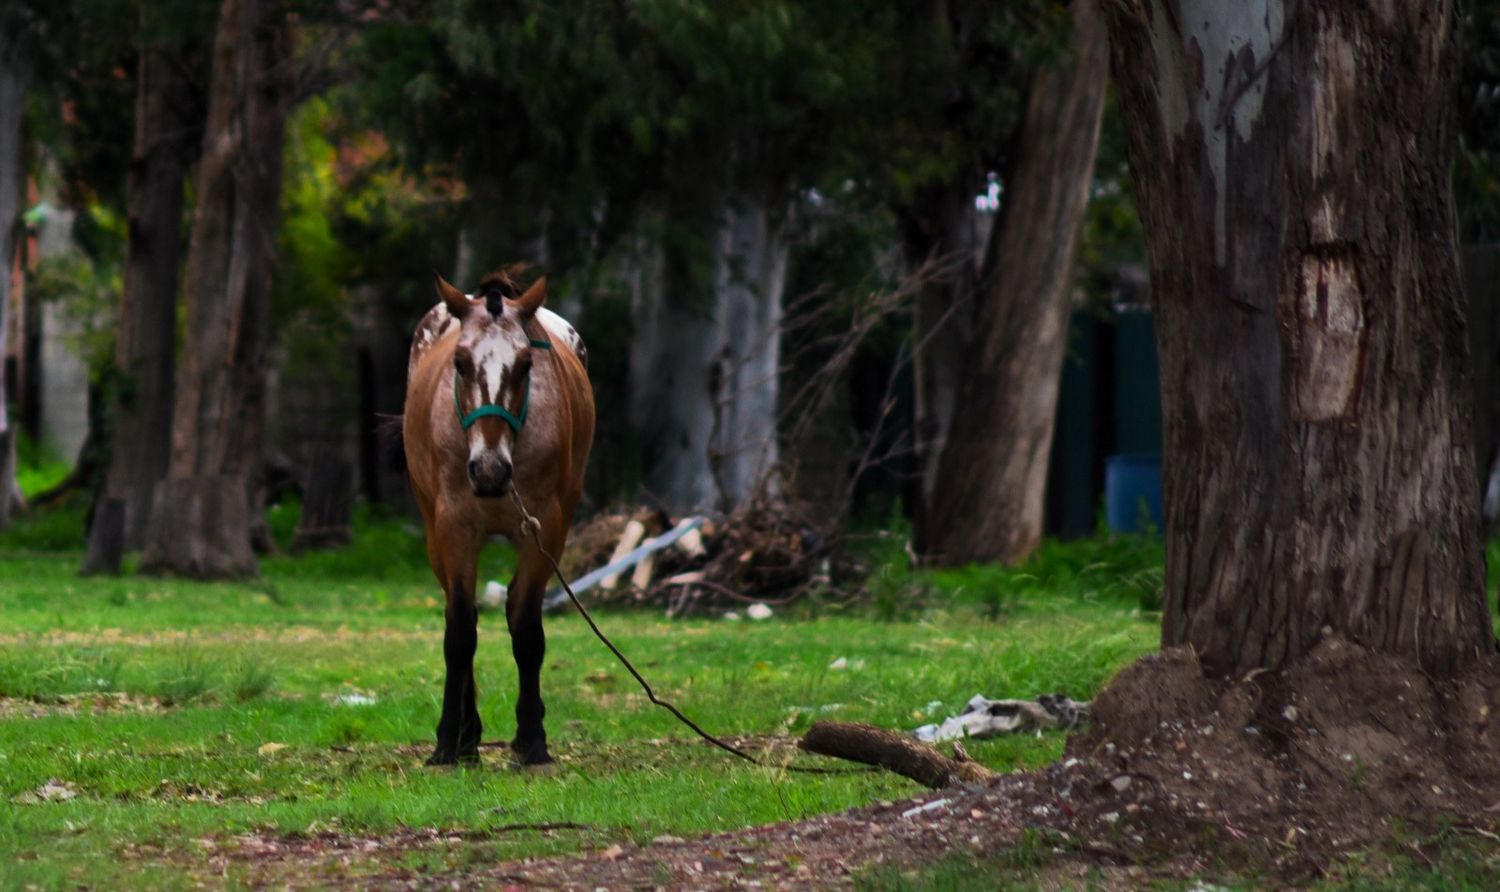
column 893, row 752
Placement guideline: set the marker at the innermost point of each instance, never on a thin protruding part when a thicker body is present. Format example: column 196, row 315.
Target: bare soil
column 1273, row 775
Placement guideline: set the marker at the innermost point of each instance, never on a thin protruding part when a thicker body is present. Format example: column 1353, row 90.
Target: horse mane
column 501, row 285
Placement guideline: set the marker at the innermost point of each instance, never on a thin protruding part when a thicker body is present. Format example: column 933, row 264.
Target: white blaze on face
column 493, row 349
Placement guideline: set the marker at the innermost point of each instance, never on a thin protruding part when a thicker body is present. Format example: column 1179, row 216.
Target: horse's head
column 492, row 372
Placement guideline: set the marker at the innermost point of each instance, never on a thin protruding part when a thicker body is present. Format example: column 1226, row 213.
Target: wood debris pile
column 767, row 552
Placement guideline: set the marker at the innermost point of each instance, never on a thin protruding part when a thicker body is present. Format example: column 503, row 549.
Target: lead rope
column 530, row 524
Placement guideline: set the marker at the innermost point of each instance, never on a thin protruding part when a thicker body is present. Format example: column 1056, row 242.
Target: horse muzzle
column 489, row 476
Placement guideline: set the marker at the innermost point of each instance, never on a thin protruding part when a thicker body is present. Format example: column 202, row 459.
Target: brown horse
column 497, row 397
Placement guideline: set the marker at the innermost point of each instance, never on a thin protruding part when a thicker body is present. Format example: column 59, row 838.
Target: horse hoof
column 531, row 753
column 444, row 758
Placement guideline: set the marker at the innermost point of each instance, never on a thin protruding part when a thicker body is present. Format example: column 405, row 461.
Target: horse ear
column 457, row 304
column 527, row 304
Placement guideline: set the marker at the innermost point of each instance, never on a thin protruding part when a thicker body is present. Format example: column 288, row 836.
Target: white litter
column 983, row 717
column 355, row 699
column 494, row 595
column 934, row 805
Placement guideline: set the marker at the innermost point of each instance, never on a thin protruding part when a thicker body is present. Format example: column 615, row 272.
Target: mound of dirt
column 1287, row 769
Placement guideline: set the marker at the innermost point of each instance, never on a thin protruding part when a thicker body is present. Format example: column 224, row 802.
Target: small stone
column 758, row 612
column 1121, row 783
column 731, row 616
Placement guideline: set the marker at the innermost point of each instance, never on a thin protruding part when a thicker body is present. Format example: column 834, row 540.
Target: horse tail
column 390, row 432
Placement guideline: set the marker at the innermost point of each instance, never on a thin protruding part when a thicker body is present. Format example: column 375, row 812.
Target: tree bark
column 167, row 136
column 327, row 503
column 1291, row 163
column 705, row 361
column 943, row 227
column 988, row 494
column 891, row 751
column 12, row 94
column 205, row 511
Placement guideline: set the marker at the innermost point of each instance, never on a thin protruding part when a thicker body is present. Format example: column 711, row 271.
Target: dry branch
column 891, row 751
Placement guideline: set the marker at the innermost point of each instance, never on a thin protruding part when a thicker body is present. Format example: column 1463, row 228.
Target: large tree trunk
column 166, row 138
column 12, row 92
column 203, row 514
column 705, row 361
column 1291, row 163
column 987, row 498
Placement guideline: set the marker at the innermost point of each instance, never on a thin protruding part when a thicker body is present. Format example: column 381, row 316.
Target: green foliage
column 1476, row 171
column 87, row 291
column 1112, row 234
column 1124, row 570
column 37, row 469
column 54, row 529
column 311, row 262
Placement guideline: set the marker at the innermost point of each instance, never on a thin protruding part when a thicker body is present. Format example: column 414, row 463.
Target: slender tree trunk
column 704, row 363
column 1291, row 163
column 988, row 494
column 166, row 138
column 944, row 229
column 12, row 92
column 204, row 512
column 750, row 261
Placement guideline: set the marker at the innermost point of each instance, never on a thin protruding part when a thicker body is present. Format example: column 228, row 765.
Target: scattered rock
column 52, row 791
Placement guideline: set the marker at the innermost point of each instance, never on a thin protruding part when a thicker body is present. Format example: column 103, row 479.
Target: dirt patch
column 232, row 635
column 1272, row 775
column 78, row 704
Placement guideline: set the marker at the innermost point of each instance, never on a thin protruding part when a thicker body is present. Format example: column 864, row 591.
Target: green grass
column 37, row 469
column 185, row 714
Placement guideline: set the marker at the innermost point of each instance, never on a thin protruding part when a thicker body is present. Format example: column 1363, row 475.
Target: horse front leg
column 459, row 727
column 528, row 641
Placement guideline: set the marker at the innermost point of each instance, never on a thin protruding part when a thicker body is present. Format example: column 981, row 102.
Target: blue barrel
column 1132, row 492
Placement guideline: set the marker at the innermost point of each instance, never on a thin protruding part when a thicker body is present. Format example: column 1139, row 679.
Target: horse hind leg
column 528, row 643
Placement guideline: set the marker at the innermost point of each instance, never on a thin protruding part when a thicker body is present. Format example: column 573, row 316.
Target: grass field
column 150, row 729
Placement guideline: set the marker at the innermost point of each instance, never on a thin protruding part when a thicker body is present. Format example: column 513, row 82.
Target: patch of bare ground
column 78, row 704
column 232, row 635
column 1273, row 776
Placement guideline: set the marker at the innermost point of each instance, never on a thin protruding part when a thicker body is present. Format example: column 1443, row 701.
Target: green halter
column 515, row 421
